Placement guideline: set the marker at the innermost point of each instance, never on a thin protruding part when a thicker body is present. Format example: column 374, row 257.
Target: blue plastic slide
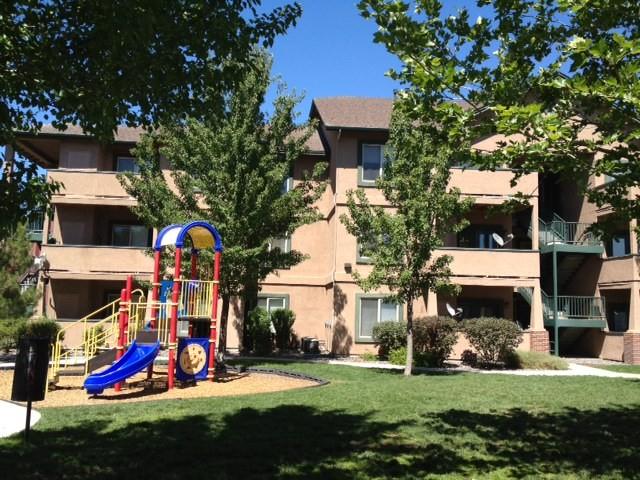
column 136, row 359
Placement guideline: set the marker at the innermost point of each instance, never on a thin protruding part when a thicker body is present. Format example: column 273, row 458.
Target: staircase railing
column 61, row 356
column 572, row 233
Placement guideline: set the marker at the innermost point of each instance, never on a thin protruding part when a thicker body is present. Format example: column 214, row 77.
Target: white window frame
column 275, row 296
column 287, row 243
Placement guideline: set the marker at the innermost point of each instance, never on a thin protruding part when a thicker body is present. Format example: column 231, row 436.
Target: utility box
column 30, row 374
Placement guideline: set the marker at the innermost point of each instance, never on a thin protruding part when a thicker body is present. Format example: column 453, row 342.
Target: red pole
column 214, row 317
column 173, row 329
column 121, row 312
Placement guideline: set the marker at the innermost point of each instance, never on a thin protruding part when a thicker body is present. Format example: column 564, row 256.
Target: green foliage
column 401, row 240
column 389, row 336
column 229, row 169
column 15, row 261
column 434, row 339
column 102, row 64
column 546, row 70
column 369, row 357
column 534, row 361
column 41, row 327
column 492, row 338
column 398, row 356
column 9, row 333
column 469, row 357
column 283, row 319
column 258, row 330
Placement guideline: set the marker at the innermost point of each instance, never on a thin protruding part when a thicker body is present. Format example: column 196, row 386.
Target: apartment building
column 569, row 292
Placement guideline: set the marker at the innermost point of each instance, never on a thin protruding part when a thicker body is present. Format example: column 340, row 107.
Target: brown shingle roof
column 123, row 134
column 353, row 112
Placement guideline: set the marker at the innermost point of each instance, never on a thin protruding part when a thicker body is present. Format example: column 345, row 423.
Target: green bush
column 389, row 336
column 469, row 357
column 492, row 338
column 283, row 320
column 259, row 332
column 534, row 361
column 398, row 356
column 42, row 327
column 433, row 340
column 9, row 333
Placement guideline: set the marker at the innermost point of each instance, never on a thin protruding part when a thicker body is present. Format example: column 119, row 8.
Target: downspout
column 335, row 245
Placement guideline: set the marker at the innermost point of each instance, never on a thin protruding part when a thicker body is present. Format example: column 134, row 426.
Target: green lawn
column 620, row 368
column 365, row 424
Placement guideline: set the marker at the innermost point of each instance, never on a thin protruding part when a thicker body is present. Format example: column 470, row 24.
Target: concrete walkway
column 575, row 370
column 13, row 417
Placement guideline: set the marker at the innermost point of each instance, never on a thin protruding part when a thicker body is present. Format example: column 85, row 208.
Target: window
column 273, row 302
column 478, row 236
column 372, row 310
column 618, row 317
column 476, row 308
column 129, row 236
column 372, row 161
column 281, row 243
column 619, row 244
column 127, row 164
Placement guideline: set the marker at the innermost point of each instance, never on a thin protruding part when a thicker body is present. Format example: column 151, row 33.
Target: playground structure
column 180, row 316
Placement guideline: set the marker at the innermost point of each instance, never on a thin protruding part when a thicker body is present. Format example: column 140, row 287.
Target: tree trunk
column 222, row 335
column 409, row 364
column 249, row 302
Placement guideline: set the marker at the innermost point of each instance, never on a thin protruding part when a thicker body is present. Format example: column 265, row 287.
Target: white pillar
column 535, row 235
column 536, row 319
column 432, row 304
column 634, row 308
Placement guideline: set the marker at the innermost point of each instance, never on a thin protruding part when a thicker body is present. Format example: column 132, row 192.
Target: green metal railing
column 572, row 233
column 35, row 226
column 575, row 307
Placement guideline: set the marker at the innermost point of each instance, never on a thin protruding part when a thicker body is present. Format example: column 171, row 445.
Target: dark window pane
column 371, row 162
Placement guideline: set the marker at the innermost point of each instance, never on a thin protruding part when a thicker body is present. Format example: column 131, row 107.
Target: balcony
column 574, row 311
column 90, row 261
column 474, row 262
column 475, row 182
column 564, row 236
column 35, row 226
column 89, row 187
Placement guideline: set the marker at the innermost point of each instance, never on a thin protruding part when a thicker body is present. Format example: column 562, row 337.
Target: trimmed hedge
column 492, row 338
column 258, row 331
column 389, row 336
column 535, row 361
column 433, row 340
column 12, row 329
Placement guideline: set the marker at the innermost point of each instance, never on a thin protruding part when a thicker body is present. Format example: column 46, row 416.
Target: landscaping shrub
column 534, row 361
column 492, row 338
column 282, row 320
column 398, row 356
column 389, row 336
column 42, row 327
column 433, row 340
column 469, row 357
column 9, row 332
column 259, row 332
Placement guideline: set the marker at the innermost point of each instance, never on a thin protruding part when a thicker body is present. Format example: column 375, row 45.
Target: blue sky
column 331, row 52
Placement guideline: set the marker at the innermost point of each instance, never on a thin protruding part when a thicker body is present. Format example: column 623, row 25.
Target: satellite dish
column 501, row 241
column 454, row 312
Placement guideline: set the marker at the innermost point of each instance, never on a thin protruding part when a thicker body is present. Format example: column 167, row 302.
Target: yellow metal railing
column 196, row 298
column 62, row 357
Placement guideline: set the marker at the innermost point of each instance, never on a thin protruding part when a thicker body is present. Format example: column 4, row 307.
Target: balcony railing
column 574, row 307
column 35, row 226
column 570, row 233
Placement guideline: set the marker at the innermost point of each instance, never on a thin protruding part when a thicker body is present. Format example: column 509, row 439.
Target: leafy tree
column 541, row 72
column 15, row 259
column 230, row 169
column 99, row 64
column 401, row 240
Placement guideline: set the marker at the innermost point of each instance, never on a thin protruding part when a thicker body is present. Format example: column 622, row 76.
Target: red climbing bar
column 214, row 317
column 173, row 328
